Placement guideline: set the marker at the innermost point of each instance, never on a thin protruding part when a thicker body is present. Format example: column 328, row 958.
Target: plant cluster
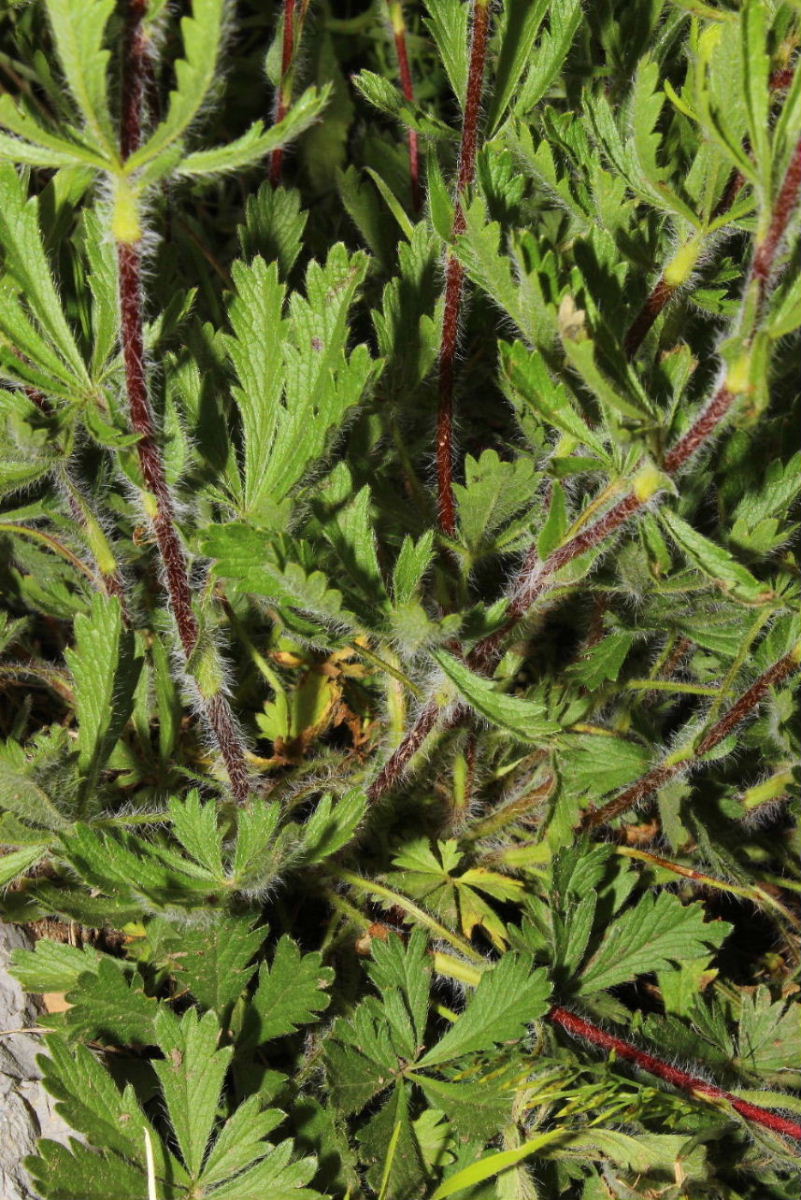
column 401, row 594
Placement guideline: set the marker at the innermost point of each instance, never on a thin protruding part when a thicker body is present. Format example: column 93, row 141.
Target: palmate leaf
column 657, row 931
column 769, row 1034
column 332, row 825
column 92, row 1104
column 564, row 18
column 526, row 719
column 277, row 1175
column 303, row 358
column 235, row 1164
column 242, row 556
column 494, row 492
column 507, row 1000
column 78, row 29
column 322, row 382
column 273, row 226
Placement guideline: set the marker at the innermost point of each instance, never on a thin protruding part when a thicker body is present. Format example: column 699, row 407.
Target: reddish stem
column 454, row 275
column 682, row 1080
column 641, row 325
column 395, row 766
column 658, row 776
column 283, row 97
column 764, row 263
column 176, row 574
column 407, row 86
column 535, row 577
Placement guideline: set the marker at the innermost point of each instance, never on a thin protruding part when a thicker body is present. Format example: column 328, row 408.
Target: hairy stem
column 284, row 95
column 176, row 574
column 454, row 274
column 658, row 776
column 536, row 577
column 407, row 86
column 579, row 1027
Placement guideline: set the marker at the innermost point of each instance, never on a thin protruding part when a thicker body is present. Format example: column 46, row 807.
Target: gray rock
column 27, row 1111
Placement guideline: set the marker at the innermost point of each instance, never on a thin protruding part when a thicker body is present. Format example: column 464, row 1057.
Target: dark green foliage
column 361, row 813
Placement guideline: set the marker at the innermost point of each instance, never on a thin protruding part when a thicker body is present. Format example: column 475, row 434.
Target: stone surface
column 26, row 1110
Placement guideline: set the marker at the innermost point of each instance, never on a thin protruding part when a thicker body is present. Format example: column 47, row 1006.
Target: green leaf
column 210, row 959
column 194, row 74
column 332, row 825
column 657, row 931
column 256, row 834
column 17, row 862
column 507, row 1000
column 522, row 21
column 105, row 674
column 391, row 1150
column 597, row 763
column 240, row 1141
column 78, row 29
column 769, row 1034
column 494, row 1164
column 528, row 383
column 257, row 142
column 474, row 1101
column 493, row 494
column 112, row 1008
column 19, row 794
column 448, row 25
column 277, row 1175
column 81, row 1174
column 26, row 262
column 55, row 966
column 410, row 567
column 556, row 524
column 602, row 662
column 524, row 718
column 90, row 1101
column 360, row 1057
column 273, row 226
column 290, row 993
column 195, row 826
column 256, row 350
column 756, row 86
column 715, row 562
column 21, row 120
column 564, row 18
column 191, row 1078
column 404, row 970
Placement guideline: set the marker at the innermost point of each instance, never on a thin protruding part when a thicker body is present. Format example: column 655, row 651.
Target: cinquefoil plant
column 401, row 594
